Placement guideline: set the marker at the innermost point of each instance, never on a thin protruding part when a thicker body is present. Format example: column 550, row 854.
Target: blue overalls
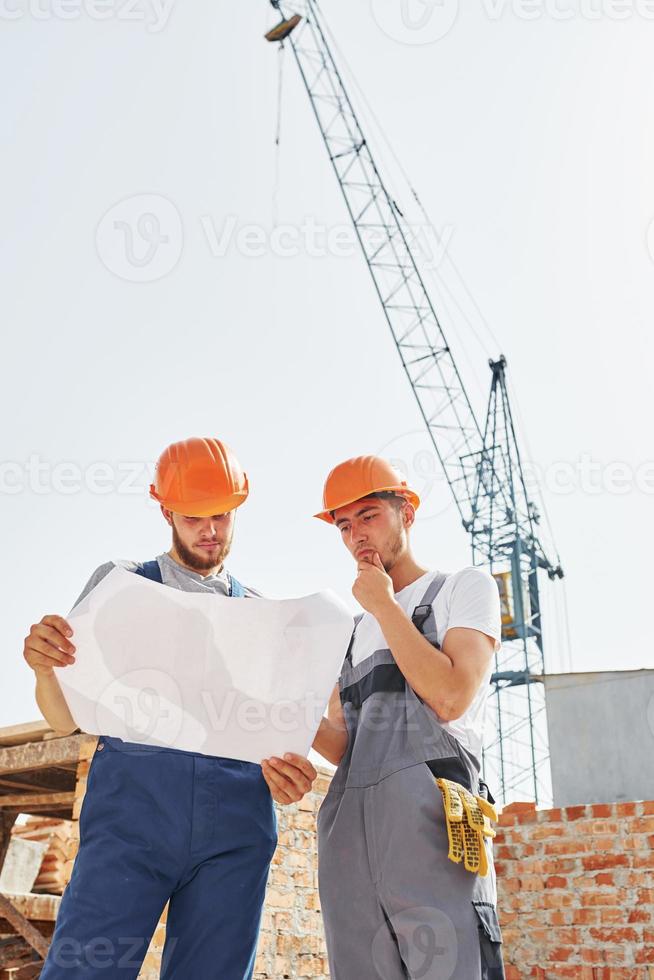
column 161, row 825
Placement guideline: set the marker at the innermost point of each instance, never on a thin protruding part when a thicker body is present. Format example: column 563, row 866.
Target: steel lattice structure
column 483, row 470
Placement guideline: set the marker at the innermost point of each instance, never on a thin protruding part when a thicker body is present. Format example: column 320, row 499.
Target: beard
column 392, row 553
column 393, row 549
column 194, row 561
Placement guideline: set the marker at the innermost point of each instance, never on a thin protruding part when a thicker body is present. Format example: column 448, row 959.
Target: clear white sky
column 530, row 140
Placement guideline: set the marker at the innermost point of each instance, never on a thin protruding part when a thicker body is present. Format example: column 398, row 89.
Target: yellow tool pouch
column 468, row 820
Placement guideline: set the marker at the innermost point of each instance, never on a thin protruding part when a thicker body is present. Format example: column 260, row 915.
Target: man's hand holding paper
column 239, row 679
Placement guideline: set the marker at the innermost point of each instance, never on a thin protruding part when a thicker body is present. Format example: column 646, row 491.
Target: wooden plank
column 23, row 926
column 27, row 972
column 38, row 908
column 29, row 731
column 60, row 811
column 7, row 821
column 42, row 780
column 34, row 799
column 40, row 755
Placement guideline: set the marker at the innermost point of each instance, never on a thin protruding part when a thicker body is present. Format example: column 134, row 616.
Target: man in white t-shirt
column 405, row 892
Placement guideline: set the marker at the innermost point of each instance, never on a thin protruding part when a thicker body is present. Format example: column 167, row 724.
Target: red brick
column 592, row 954
column 556, row 881
column 600, row 828
column 602, row 810
column 547, row 830
column 624, row 935
column 519, row 807
column 636, row 879
column 597, row 861
column 609, row 917
column 557, row 900
column 585, row 917
column 596, row 897
column 560, row 954
column 575, row 812
column 556, row 866
column 531, row 883
column 577, row 972
column 626, row 809
column 573, row 846
column 526, row 816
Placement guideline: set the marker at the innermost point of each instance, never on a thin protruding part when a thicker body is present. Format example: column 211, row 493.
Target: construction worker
column 157, row 824
column 406, row 875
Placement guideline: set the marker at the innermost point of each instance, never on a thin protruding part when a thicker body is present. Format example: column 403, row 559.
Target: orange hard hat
column 199, row 478
column 359, row 477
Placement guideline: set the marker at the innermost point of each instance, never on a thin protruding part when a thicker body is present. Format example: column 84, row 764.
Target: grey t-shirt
column 173, row 574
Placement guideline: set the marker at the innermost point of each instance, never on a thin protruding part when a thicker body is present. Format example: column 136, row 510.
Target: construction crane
column 483, row 468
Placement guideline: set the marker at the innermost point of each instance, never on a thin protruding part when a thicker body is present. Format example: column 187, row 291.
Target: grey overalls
column 394, row 906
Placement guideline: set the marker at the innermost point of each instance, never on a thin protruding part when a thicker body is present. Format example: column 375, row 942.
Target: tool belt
column 468, row 820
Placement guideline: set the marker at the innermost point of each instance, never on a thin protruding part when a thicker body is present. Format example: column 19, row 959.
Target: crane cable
column 278, row 134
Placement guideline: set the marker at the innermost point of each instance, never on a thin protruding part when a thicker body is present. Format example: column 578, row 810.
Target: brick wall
column 292, row 941
column 576, row 891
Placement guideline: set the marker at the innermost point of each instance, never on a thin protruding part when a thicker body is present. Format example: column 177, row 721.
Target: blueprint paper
column 241, row 678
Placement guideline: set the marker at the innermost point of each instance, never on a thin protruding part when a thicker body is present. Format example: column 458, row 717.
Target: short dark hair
column 396, row 499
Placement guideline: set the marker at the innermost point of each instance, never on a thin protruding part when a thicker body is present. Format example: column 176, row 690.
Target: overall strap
column 348, row 655
column 423, row 610
column 236, row 590
column 150, row 570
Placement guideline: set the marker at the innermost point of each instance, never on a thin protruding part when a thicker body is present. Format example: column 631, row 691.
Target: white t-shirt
column 470, row 598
